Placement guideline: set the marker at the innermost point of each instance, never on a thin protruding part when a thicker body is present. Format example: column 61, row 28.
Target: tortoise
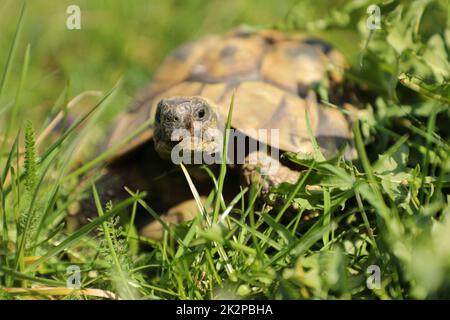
column 272, row 76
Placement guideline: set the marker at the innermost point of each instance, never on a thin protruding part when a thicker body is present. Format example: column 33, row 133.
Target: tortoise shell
column 271, row 75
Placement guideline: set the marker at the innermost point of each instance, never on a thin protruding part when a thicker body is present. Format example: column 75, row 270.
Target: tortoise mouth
column 188, row 151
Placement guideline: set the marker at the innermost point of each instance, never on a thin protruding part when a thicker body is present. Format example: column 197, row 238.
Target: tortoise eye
column 201, row 114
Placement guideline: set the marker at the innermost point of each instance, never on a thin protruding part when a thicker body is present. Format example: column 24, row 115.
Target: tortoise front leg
column 262, row 169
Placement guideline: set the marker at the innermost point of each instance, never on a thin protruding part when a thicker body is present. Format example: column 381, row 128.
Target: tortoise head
column 186, row 124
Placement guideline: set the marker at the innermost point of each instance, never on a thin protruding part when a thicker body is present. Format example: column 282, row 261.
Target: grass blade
column 223, row 165
column 73, row 238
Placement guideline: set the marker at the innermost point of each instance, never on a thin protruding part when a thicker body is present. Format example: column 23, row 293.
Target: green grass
column 389, row 208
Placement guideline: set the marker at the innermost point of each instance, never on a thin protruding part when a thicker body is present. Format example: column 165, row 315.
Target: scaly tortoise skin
column 272, row 76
